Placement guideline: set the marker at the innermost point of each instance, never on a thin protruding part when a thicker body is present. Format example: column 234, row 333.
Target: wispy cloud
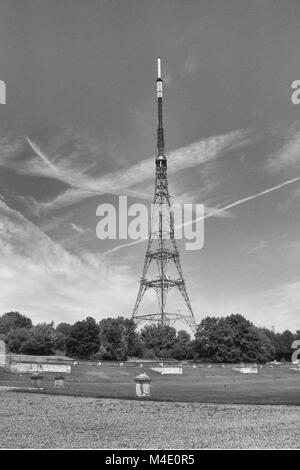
column 287, row 158
column 9, row 149
column 192, row 63
column 84, row 183
column 77, row 228
column 43, row 157
column 41, row 278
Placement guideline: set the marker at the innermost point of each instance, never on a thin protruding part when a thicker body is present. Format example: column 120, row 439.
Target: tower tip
column 158, row 67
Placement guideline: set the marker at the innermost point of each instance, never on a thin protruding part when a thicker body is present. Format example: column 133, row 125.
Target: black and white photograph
column 149, row 227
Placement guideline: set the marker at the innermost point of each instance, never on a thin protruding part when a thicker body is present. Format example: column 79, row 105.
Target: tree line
column 217, row 339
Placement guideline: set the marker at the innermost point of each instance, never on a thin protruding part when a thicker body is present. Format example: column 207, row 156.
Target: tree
column 41, row 341
column 133, row 342
column 207, row 345
column 271, row 335
column 159, row 339
column 12, row 320
column 64, row 328
column 15, row 339
column 246, row 339
column 268, row 346
column 62, row 333
column 284, row 342
column 182, row 348
column 84, row 339
column 229, row 339
column 60, row 342
column 118, row 339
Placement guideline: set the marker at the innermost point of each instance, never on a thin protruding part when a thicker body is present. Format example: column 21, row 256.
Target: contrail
column 62, row 177
column 211, row 214
column 241, row 201
column 40, row 154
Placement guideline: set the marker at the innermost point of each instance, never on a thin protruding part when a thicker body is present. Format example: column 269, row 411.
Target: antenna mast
column 162, row 246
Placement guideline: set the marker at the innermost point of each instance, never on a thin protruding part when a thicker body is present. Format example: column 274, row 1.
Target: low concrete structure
column 142, row 385
column 30, row 367
column 21, row 363
column 177, row 370
column 59, row 381
column 36, row 380
column 295, row 367
column 247, row 369
column 7, row 388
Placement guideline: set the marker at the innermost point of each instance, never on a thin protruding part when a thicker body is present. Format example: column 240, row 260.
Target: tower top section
column 158, row 68
column 159, row 81
column 160, row 157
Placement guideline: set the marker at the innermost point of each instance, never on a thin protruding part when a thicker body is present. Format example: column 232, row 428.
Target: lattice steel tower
column 162, row 247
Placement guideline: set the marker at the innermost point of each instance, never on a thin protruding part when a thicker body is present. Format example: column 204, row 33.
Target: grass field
column 277, row 385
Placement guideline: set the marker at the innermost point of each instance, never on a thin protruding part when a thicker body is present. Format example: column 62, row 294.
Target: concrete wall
column 27, row 367
column 39, row 359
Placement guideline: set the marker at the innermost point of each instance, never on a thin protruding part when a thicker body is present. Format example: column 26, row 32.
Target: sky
column 79, row 129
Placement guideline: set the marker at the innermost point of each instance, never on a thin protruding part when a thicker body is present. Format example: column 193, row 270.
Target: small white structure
column 168, row 370
column 6, row 388
column 142, row 385
column 59, row 381
column 2, row 354
column 36, row 380
column 121, row 364
column 247, row 369
column 295, row 367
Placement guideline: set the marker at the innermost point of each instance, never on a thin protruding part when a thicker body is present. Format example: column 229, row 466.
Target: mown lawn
column 277, row 385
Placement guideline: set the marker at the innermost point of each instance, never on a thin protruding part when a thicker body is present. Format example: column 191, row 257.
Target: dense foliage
column 83, row 340
column 218, row 339
column 11, row 320
column 231, row 339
